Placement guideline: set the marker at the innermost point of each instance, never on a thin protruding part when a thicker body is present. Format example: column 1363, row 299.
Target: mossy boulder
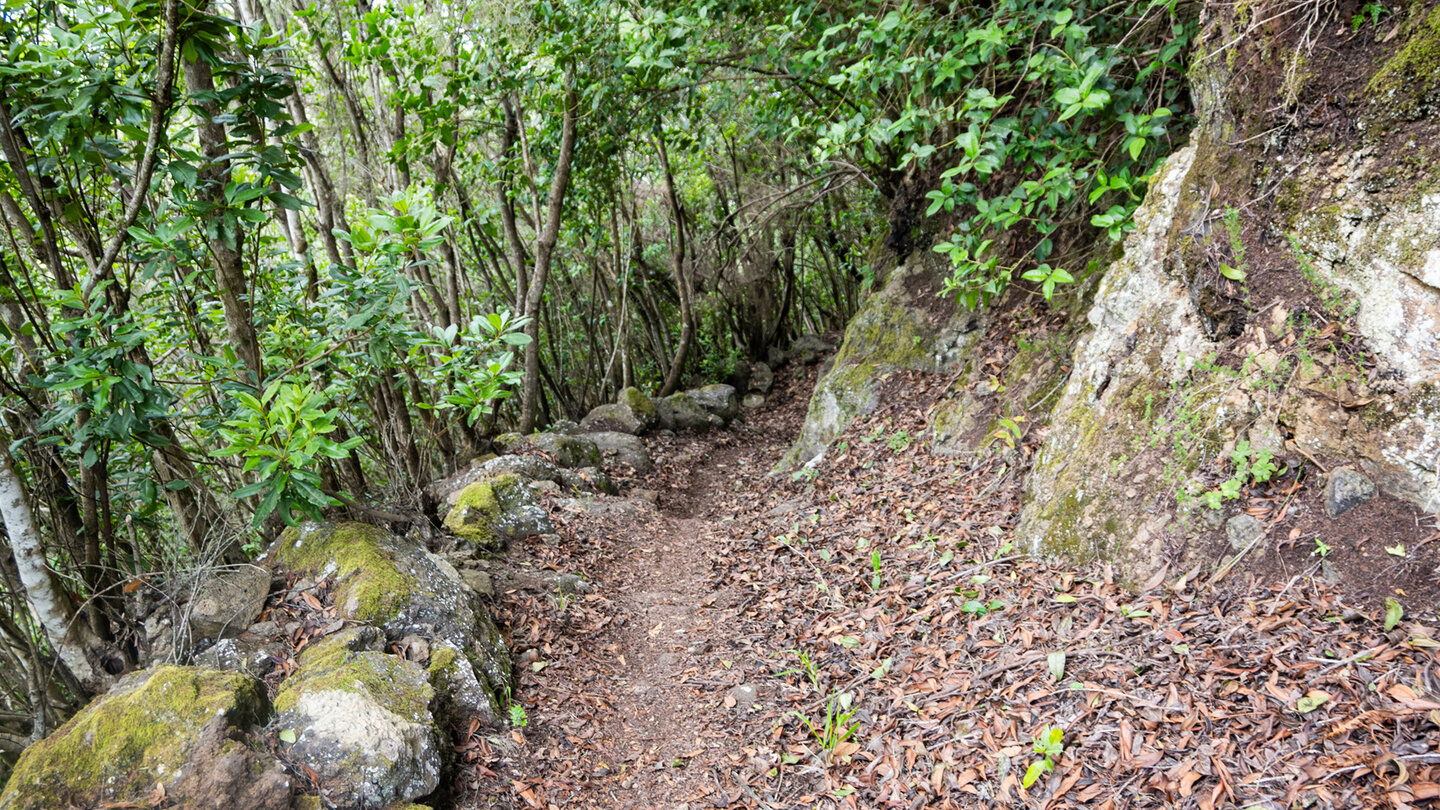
column 632, row 412
column 362, row 721
column 571, row 452
column 902, row 327
column 719, row 400
column 493, row 511
column 681, row 411
column 389, row 581
column 624, row 449
column 183, row 727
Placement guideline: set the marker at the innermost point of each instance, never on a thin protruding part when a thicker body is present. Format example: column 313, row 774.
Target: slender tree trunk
column 677, row 266
column 72, row 639
column 544, row 252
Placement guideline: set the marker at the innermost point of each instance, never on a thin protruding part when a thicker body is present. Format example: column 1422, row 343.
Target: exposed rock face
column 904, row 326
column 633, row 412
column 1146, row 334
column 171, row 725
column 361, row 721
column 623, row 448
column 529, row 468
column 226, row 603
column 493, row 511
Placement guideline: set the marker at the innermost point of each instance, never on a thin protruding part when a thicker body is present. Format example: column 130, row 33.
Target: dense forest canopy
column 269, row 260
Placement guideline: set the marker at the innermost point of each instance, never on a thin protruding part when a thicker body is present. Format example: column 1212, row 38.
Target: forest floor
column 868, row 637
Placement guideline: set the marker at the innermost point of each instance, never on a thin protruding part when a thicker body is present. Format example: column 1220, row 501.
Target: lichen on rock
column 361, row 721
column 492, row 511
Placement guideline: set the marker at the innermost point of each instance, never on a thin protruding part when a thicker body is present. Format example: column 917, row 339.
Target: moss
column 638, row 403
column 132, row 737
column 333, row 664
column 370, row 586
column 442, row 663
column 885, row 332
column 1415, row 69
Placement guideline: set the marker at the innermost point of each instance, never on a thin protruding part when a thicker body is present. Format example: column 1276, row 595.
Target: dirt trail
column 627, row 687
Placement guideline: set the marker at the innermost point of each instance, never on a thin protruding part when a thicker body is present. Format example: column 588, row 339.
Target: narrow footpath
column 631, row 684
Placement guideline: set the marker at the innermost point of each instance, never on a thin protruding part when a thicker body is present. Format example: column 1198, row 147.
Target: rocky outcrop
column 183, row 728
column 402, row 589
column 904, row 326
column 1087, row 496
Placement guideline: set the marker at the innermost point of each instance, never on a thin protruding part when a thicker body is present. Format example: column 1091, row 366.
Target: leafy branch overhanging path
column 946, row 653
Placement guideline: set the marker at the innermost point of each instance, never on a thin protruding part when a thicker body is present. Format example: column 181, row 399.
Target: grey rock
column 568, row 451
column 545, row 486
column 1346, row 489
column 256, row 657
column 478, row 581
column 718, row 400
column 762, row 379
column 565, row 426
column 623, row 448
column 753, row 401
column 810, row 349
column 587, row 479
column 1214, row 518
column 1241, row 530
column 227, row 603
column 651, row 495
column 362, row 722
column 573, row 583
column 680, row 412
column 493, row 511
column 1329, row 574
column 632, row 412
column 745, row 695
column 775, row 357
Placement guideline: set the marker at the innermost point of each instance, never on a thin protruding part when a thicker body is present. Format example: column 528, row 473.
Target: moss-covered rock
column 361, row 721
column 632, row 412
column 681, row 411
column 401, row 588
column 571, row 452
column 169, row 725
column 493, row 511
column 904, row 326
column 370, row 586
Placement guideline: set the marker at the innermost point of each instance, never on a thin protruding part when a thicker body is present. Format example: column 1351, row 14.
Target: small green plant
column 1321, row 550
column 805, row 475
column 517, row 714
column 1049, row 745
column 899, row 440
column 979, row 608
column 876, row 581
column 1250, row 467
column 1371, row 12
column 1132, row 612
column 835, row 726
column 562, row 599
column 1009, row 431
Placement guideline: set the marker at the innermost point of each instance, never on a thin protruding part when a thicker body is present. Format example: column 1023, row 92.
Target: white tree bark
column 50, row 603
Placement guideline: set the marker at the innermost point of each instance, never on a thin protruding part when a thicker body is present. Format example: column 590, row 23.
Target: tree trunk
column 72, row 639
column 544, row 252
column 682, row 282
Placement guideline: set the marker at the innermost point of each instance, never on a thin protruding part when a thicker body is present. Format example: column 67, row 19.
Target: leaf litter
column 907, row 654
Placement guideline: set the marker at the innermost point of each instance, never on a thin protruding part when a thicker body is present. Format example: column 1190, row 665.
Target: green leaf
column 1232, row 273
column 1312, row 701
column 1393, row 613
column 287, row 736
column 1033, row 773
